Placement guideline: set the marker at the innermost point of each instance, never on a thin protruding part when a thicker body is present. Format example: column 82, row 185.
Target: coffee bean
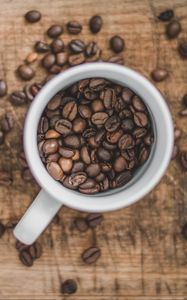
column 50, row 146
column 99, row 118
column 140, row 119
column 26, row 258
column 35, row 250
column 33, row 16
column 94, row 219
column 85, row 156
column 123, row 178
column 55, row 69
column 2, row 137
column 25, row 72
column 81, row 224
column 91, row 49
column 7, row 122
column 57, row 46
column 67, row 183
column 18, row 98
column 43, row 125
column 93, row 170
column 138, row 104
column 84, row 111
column 78, row 166
column 127, row 125
column 143, row 155
column 66, row 152
column 55, row 170
column 54, row 103
column 127, row 95
column 148, row 139
column 2, row 230
column 182, row 48
column 159, row 75
column 61, row 59
column 72, row 141
column 100, row 177
column 76, row 179
column 120, row 164
column 91, row 255
column 89, row 183
column 79, row 125
column 31, row 57
column 20, row 246
column 52, row 134
column 109, row 98
column 95, row 24
column 183, row 112
column 173, row 29
column 139, row 133
column 89, row 132
column 90, row 94
column 54, row 31
column 76, row 59
column 97, row 84
column 77, row 46
column 97, row 105
column 68, row 287
column 52, row 157
column 113, row 137
column 117, row 44
column 70, row 111
column 26, row 174
column 3, row 88
column 65, row 164
column 74, row 27
column 63, row 126
column 76, row 156
column 166, row 15
column 109, row 146
column 48, row 60
column 175, row 152
column 11, row 224
column 112, row 123
column 116, row 59
column 184, row 231
column 183, row 159
column 103, row 154
column 184, row 100
column 126, row 142
column 42, row 47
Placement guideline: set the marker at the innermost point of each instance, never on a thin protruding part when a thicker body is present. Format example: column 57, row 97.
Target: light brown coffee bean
column 66, row 152
column 50, row 146
column 79, row 125
column 85, row 156
column 54, row 103
column 55, row 170
column 70, row 111
column 52, row 134
column 120, row 164
column 76, row 156
column 31, row 57
column 84, row 111
column 113, row 137
column 65, row 164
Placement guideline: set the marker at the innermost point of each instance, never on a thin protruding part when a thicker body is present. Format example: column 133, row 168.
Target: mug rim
column 57, row 190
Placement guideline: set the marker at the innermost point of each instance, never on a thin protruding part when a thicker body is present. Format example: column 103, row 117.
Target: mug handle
column 36, row 218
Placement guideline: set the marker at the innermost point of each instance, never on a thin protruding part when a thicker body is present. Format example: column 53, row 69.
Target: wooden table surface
column 143, row 253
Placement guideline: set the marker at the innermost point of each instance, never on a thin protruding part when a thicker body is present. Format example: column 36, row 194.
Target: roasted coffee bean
column 140, row 119
column 143, row 155
column 26, row 175
column 166, row 15
column 85, row 156
column 159, row 75
column 91, row 49
column 52, row 134
column 138, row 104
column 77, row 46
column 89, row 132
column 100, row 135
column 117, row 44
column 84, row 111
column 120, row 164
column 54, row 103
column 100, row 177
column 76, row 156
column 81, row 224
column 72, row 141
column 109, row 146
column 173, row 29
column 20, row 246
column 184, row 100
column 139, row 133
column 66, row 152
column 148, row 139
column 26, row 258
column 25, row 72
column 123, row 178
column 91, row 255
column 103, row 154
column 33, row 16
column 54, row 31
column 83, row 84
column 65, row 164
column 61, row 59
column 74, row 27
column 31, row 57
column 94, row 219
column 63, row 127
column 42, row 47
column 76, row 179
column 35, row 250
column 79, row 125
column 55, row 69
column 125, row 113
column 127, row 95
column 89, row 94
column 183, row 112
column 2, row 137
column 127, row 125
column 104, row 185
column 95, row 24
column 89, row 183
column 68, row 287
column 93, row 170
column 182, row 48
column 70, row 111
column 52, row 157
column 183, row 159
column 97, row 105
column 66, row 182
column 92, row 143
column 175, row 152
column 106, row 167
column 126, row 142
column 55, row 170
column 184, row 231
column 116, row 59
column 3, row 88
column 97, row 84
column 50, row 146
column 76, row 59
column 93, row 190
column 22, row 160
column 5, row 178
column 112, row 123
column 7, row 122
column 2, row 229
column 99, row 118
column 57, row 46
column 43, row 125
column 78, row 166
column 109, row 98
column 113, row 137
column 18, row 98
column 48, row 60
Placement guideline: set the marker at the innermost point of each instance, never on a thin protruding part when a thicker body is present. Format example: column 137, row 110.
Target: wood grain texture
column 143, row 254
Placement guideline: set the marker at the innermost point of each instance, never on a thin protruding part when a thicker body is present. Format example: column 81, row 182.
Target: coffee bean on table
column 117, row 44
column 173, row 29
column 68, row 287
column 31, row 57
column 7, row 122
column 33, row 16
column 166, row 15
column 159, row 74
column 77, row 46
column 26, row 174
column 2, row 229
column 91, row 255
column 48, row 60
column 95, row 24
column 54, row 31
column 3, row 88
column 57, row 46
column 184, row 231
column 35, row 250
column 91, row 49
column 182, row 48
column 26, row 258
column 76, row 59
column 18, row 98
column 116, row 59
column 94, row 219
column 42, row 47
column 25, row 72
column 81, row 224
column 74, row 27
column 5, row 178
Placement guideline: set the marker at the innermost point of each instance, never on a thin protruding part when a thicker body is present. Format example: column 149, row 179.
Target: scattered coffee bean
column 91, row 255
column 61, row 59
column 42, row 47
column 183, row 159
column 117, row 44
column 76, row 59
column 94, row 219
column 95, row 23
column 183, row 112
column 159, row 74
column 81, row 224
column 182, row 48
column 57, row 46
column 173, row 29
column 26, row 258
column 31, row 57
column 74, row 27
column 166, row 15
column 18, row 98
column 77, row 46
column 48, row 60
column 91, row 49
column 25, row 72
column 184, row 231
column 35, row 250
column 116, row 59
column 27, row 175
column 3, row 88
column 184, row 100
column 54, row 31
column 68, row 287
column 7, row 122
column 5, row 178
column 2, row 229
column 33, row 16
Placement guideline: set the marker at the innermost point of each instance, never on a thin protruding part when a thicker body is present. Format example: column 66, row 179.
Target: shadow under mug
column 53, row 194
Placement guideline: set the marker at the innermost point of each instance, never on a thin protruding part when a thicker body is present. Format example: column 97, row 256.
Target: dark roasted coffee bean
column 83, row 84
column 55, row 69
column 109, row 146
column 93, row 170
column 100, row 135
column 184, row 231
column 90, row 94
column 127, row 95
column 63, row 126
column 166, row 15
column 76, row 179
column 48, row 60
column 20, row 246
column 139, row 133
column 123, row 178
column 143, row 155
column 182, row 48
column 81, row 224
column 50, row 146
column 99, row 118
column 184, row 100
column 31, row 90
column 93, row 190
column 173, row 29
column 68, row 287
column 95, row 24
column 42, row 47
column 125, row 113
column 89, row 132
column 97, row 84
column 89, row 183
column 94, row 219
column 61, row 59
column 2, row 229
column 120, row 164
column 85, row 155
column 148, row 139
column 92, row 143
column 33, row 16
column 76, row 59
column 5, row 178
column 74, row 27
column 78, row 166
column 65, row 181
column 70, row 111
column 127, row 125
column 18, row 98
column 54, row 31
column 55, row 170
column 103, row 154
column 113, row 137
column 72, row 141
column 140, row 119
column 25, row 72
column 3, row 88
column 54, row 103
column 91, row 255
column 2, row 137
column 117, row 44
column 35, row 250
column 84, row 111
column 116, row 59
column 159, row 74
column 66, row 152
column 112, row 123
column 26, row 258
column 97, row 105
column 57, row 46
column 77, row 46
column 100, row 177
column 109, row 98
column 104, row 185
column 91, row 49
column 106, row 167
column 43, row 125
column 183, row 159
column 126, row 142
column 7, row 122
column 138, row 104
column 79, row 125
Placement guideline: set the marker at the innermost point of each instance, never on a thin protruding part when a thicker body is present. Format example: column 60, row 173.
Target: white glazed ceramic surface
column 159, row 159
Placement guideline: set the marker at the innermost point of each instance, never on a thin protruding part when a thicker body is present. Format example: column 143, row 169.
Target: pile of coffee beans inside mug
column 94, row 135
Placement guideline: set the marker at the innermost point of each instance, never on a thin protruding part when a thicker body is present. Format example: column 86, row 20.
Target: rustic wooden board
column 143, row 253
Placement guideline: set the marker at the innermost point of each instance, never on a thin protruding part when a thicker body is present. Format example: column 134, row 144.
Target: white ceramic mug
column 53, row 194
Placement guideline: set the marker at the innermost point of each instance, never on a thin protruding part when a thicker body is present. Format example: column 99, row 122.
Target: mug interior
column 144, row 179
